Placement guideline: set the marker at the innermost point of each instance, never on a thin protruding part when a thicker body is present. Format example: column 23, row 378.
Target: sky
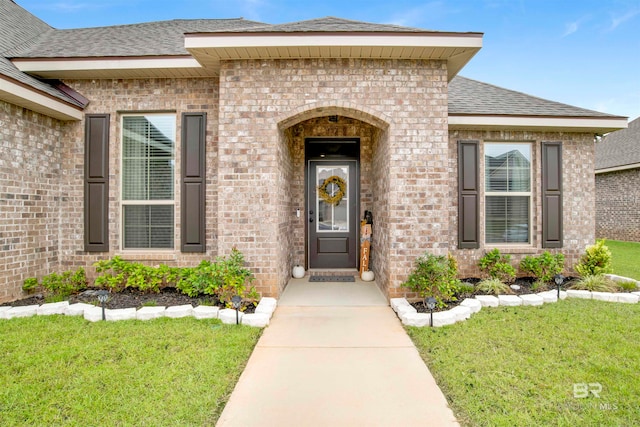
column 580, row 52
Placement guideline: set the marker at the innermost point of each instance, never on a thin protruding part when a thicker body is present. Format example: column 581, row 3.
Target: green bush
column 65, row 284
column 434, row 276
column 117, row 274
column 30, row 284
column 497, row 266
column 543, row 267
column 493, row 287
column 224, row 278
column 628, row 286
column 596, row 260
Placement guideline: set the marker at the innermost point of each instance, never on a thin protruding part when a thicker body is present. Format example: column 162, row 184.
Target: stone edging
column 410, row 317
column 260, row 318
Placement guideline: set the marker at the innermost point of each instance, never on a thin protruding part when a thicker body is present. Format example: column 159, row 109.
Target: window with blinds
column 148, row 164
column 507, row 175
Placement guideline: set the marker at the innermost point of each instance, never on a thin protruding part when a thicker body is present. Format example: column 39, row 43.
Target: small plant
column 30, row 285
column 150, row 303
column 434, row 276
column 493, row 287
column 465, row 288
column 497, row 266
column 596, row 260
column 627, row 286
column 595, row 283
column 543, row 267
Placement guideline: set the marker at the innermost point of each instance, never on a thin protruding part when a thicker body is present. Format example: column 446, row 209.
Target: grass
column 518, row 366
column 625, row 257
column 61, row 371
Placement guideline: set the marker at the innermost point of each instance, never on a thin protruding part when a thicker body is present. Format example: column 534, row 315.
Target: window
column 507, row 193
column 148, row 147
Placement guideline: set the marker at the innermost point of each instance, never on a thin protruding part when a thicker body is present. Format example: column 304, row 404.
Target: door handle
column 310, row 219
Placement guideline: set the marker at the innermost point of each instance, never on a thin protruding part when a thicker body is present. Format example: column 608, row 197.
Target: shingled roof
column 17, row 26
column 471, row 97
column 619, row 148
column 331, row 24
column 162, row 38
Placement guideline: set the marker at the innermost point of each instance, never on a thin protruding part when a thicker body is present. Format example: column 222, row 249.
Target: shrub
column 595, row 283
column 497, row 266
column 30, row 284
column 434, row 276
column 543, row 267
column 493, row 287
column 65, row 284
column 596, row 260
column 118, row 274
column 465, row 288
column 223, row 279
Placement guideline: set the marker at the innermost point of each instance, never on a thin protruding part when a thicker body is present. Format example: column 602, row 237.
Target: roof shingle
column 619, row 148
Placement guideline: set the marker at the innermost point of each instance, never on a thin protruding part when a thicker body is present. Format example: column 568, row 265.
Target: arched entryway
column 325, row 142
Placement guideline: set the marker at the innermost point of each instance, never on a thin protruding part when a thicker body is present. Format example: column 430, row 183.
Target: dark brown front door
column 333, row 228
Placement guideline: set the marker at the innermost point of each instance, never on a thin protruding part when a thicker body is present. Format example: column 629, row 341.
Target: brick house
column 618, row 184
column 178, row 140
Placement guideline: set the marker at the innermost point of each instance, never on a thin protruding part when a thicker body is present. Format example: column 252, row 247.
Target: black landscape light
column 559, row 279
column 103, row 296
column 236, row 300
column 430, row 303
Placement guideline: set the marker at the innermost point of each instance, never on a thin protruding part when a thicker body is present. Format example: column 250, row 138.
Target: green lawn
column 529, row 366
column 58, row 370
column 626, row 258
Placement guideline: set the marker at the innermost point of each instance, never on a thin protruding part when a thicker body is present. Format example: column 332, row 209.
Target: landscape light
column 430, row 303
column 236, row 300
column 103, row 296
column 559, row 279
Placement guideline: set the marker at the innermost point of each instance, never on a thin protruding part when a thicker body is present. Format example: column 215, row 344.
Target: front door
column 332, row 213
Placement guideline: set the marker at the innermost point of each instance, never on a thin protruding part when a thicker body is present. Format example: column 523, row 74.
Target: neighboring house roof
column 619, row 150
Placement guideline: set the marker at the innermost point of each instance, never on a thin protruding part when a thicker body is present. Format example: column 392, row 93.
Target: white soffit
column 36, row 101
column 455, row 48
column 125, row 67
column 598, row 125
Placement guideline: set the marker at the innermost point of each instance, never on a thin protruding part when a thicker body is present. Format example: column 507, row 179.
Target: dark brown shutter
column 552, row 194
column 193, row 182
column 468, row 194
column 96, row 183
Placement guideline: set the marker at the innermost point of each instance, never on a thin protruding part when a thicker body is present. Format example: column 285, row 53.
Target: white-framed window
column 148, row 169
column 507, row 198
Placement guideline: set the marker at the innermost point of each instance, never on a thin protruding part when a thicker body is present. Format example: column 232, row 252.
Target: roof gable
column 332, row 24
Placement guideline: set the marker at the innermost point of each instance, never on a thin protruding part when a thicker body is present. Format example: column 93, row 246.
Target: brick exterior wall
column 618, row 205
column 258, row 116
column 578, row 196
column 31, row 171
column 406, row 99
column 118, row 97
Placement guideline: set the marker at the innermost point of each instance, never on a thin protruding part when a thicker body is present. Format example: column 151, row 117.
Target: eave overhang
column 456, row 49
column 596, row 125
column 114, row 67
column 16, row 93
column 618, row 168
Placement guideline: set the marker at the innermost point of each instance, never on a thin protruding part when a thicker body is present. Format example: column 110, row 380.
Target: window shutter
column 96, row 183
column 468, row 194
column 552, row 194
column 193, row 182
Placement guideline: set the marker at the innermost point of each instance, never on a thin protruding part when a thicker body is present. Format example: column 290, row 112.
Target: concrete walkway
column 335, row 354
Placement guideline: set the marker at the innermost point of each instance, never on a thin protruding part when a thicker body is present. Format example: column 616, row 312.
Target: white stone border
column 260, row 318
column 410, row 317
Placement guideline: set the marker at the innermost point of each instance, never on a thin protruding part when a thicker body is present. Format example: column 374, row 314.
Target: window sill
column 148, row 255
column 509, row 249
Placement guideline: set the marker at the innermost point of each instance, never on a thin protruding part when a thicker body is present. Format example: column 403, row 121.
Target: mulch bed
column 128, row 298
